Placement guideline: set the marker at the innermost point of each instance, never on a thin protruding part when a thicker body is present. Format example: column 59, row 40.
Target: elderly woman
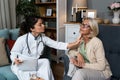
column 88, row 61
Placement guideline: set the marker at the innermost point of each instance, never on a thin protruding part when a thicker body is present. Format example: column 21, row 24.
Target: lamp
column 78, row 4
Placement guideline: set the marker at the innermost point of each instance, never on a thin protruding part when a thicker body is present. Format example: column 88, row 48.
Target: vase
column 116, row 18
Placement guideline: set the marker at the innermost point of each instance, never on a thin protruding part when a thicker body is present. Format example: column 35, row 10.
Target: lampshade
column 79, row 3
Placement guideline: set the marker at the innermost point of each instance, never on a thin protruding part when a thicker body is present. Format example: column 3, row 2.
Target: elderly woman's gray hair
column 94, row 27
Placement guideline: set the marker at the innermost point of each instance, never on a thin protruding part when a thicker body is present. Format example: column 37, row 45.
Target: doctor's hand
column 78, row 41
column 74, row 45
column 17, row 61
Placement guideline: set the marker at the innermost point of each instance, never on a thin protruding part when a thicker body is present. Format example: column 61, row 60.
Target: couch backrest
column 9, row 33
column 110, row 36
column 14, row 33
column 4, row 33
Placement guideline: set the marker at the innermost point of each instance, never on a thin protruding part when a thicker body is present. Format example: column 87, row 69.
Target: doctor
column 30, row 45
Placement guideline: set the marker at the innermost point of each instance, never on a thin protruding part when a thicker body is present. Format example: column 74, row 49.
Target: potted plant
column 26, row 8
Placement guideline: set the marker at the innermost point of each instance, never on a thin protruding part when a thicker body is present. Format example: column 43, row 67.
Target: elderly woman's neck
column 86, row 38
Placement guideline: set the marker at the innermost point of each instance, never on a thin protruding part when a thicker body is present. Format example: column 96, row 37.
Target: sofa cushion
column 4, row 33
column 7, row 72
column 14, row 33
column 3, row 54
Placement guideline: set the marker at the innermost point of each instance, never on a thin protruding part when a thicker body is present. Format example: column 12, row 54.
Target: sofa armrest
column 7, row 73
column 2, row 77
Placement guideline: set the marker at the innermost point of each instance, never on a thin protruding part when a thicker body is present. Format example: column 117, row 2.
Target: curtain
column 8, row 14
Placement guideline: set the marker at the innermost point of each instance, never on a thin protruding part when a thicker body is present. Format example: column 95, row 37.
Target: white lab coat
column 20, row 48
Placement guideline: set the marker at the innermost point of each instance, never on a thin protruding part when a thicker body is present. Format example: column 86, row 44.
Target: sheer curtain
column 8, row 14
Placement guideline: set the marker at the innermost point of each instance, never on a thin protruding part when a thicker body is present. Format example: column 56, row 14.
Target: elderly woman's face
column 85, row 28
column 39, row 27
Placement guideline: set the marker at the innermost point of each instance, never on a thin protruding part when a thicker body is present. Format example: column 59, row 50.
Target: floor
column 58, row 70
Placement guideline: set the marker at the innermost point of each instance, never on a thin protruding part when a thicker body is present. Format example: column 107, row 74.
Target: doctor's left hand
column 17, row 61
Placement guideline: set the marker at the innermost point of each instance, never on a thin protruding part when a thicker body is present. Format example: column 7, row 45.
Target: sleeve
column 99, row 64
column 55, row 44
column 17, row 49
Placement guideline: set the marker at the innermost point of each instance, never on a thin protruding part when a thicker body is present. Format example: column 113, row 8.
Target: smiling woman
column 88, row 54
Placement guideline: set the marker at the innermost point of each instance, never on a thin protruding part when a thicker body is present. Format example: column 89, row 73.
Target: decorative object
column 43, row 1
column 37, row 1
column 78, row 4
column 115, row 8
column 106, row 21
column 99, row 20
column 49, row 12
column 116, row 18
column 91, row 13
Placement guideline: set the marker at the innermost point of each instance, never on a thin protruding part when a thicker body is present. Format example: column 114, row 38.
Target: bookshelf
column 54, row 14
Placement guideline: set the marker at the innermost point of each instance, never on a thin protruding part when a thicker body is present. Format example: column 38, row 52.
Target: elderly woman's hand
column 38, row 78
column 74, row 61
column 80, row 60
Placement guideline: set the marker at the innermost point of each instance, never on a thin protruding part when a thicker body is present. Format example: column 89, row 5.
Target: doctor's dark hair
column 28, row 24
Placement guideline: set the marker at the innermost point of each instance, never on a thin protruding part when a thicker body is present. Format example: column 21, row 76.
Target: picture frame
column 91, row 13
column 49, row 12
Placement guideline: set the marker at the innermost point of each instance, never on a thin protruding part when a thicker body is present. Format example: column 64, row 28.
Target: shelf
column 49, row 12
column 48, row 17
column 47, row 3
column 111, row 24
column 48, row 28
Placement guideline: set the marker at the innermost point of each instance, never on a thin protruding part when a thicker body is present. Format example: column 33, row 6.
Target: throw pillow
column 3, row 54
column 10, row 43
column 4, row 33
column 14, row 33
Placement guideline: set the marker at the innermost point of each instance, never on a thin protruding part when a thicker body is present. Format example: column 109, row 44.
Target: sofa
column 7, row 36
column 7, row 40
column 110, row 36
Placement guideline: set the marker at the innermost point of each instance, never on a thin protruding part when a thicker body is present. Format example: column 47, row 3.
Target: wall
column 99, row 5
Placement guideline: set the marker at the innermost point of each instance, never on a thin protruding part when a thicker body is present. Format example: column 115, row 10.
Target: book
column 42, row 11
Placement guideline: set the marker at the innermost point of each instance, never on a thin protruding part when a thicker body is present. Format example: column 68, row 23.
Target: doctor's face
column 39, row 27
